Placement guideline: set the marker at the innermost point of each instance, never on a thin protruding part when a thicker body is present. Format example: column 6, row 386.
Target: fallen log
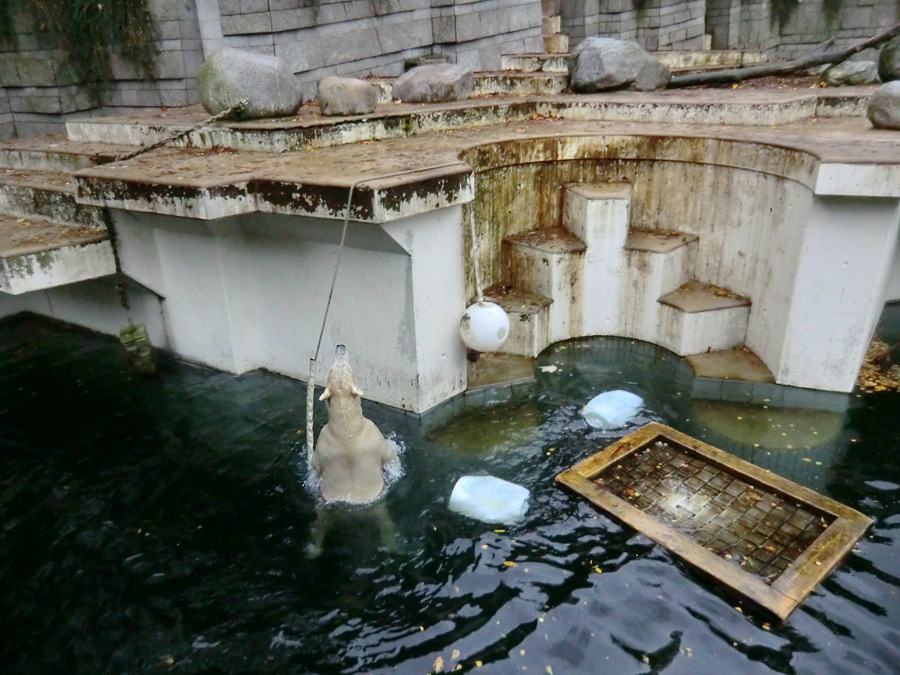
column 816, row 59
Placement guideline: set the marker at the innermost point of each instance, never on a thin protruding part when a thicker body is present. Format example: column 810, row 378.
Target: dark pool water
column 162, row 525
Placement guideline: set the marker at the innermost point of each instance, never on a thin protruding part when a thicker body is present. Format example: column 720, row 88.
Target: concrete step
column 519, row 84
column 535, row 62
column 551, row 7
column 551, row 24
column 655, row 263
column 713, row 59
column 36, row 254
column 556, row 44
column 549, row 262
column 56, row 154
column 502, row 82
column 47, row 195
column 528, row 314
column 699, row 317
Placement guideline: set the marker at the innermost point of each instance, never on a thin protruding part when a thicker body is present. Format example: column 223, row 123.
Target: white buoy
column 484, row 326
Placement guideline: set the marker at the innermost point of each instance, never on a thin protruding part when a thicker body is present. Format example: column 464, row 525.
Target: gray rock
column 889, row 60
column 346, row 96
column 602, row 63
column 229, row 75
column 884, row 106
column 424, row 60
column 434, row 84
column 851, row 73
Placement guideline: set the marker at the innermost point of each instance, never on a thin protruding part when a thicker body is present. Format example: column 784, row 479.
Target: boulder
column 267, row 82
column 602, row 63
column 884, row 106
column 889, row 60
column 434, row 84
column 851, row 73
column 346, row 96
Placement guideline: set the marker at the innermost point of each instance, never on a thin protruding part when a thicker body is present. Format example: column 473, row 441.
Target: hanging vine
column 90, row 31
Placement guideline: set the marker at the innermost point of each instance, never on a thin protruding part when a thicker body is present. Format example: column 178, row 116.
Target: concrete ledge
column 390, row 120
column 37, row 254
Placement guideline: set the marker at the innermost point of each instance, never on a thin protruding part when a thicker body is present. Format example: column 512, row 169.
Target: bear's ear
column 325, row 394
column 357, row 391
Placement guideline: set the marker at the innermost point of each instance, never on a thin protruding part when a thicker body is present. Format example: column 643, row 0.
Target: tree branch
column 818, row 58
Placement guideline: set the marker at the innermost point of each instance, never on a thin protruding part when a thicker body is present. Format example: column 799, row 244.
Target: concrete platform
column 657, row 241
column 739, row 363
column 550, row 240
column 40, row 254
column 57, row 153
column 696, row 296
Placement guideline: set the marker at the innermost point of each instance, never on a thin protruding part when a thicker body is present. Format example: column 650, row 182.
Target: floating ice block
column 612, row 409
column 489, row 499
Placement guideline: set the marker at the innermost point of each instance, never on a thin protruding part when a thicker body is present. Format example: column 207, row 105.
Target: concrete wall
column 734, row 250
column 249, row 292
column 816, row 292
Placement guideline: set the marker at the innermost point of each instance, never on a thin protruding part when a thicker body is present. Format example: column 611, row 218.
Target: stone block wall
column 655, row 24
column 732, row 24
column 476, row 33
column 374, row 37
column 41, row 89
column 316, row 37
column 809, row 26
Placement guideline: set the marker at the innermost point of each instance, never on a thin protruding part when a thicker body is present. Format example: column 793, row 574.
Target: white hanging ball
column 484, row 327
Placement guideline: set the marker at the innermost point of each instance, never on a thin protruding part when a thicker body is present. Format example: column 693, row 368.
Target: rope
column 311, row 381
column 478, row 289
column 181, row 134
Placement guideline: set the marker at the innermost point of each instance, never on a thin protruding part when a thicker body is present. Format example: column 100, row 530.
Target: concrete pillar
column 845, row 261
column 599, row 215
column 436, row 300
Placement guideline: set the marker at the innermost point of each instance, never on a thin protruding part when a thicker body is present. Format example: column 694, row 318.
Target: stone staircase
column 47, row 239
column 597, row 276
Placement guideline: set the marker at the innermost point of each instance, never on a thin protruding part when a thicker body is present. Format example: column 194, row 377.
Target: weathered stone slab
column 889, row 61
column 850, row 73
column 346, row 96
column 884, row 106
column 434, row 84
column 601, row 63
column 267, row 82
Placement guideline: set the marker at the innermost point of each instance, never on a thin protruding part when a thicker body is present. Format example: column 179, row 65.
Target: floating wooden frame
column 766, row 537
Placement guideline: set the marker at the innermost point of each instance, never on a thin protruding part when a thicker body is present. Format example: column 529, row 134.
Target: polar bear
column 351, row 454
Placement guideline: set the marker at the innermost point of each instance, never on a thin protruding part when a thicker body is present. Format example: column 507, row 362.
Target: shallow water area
column 157, row 524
